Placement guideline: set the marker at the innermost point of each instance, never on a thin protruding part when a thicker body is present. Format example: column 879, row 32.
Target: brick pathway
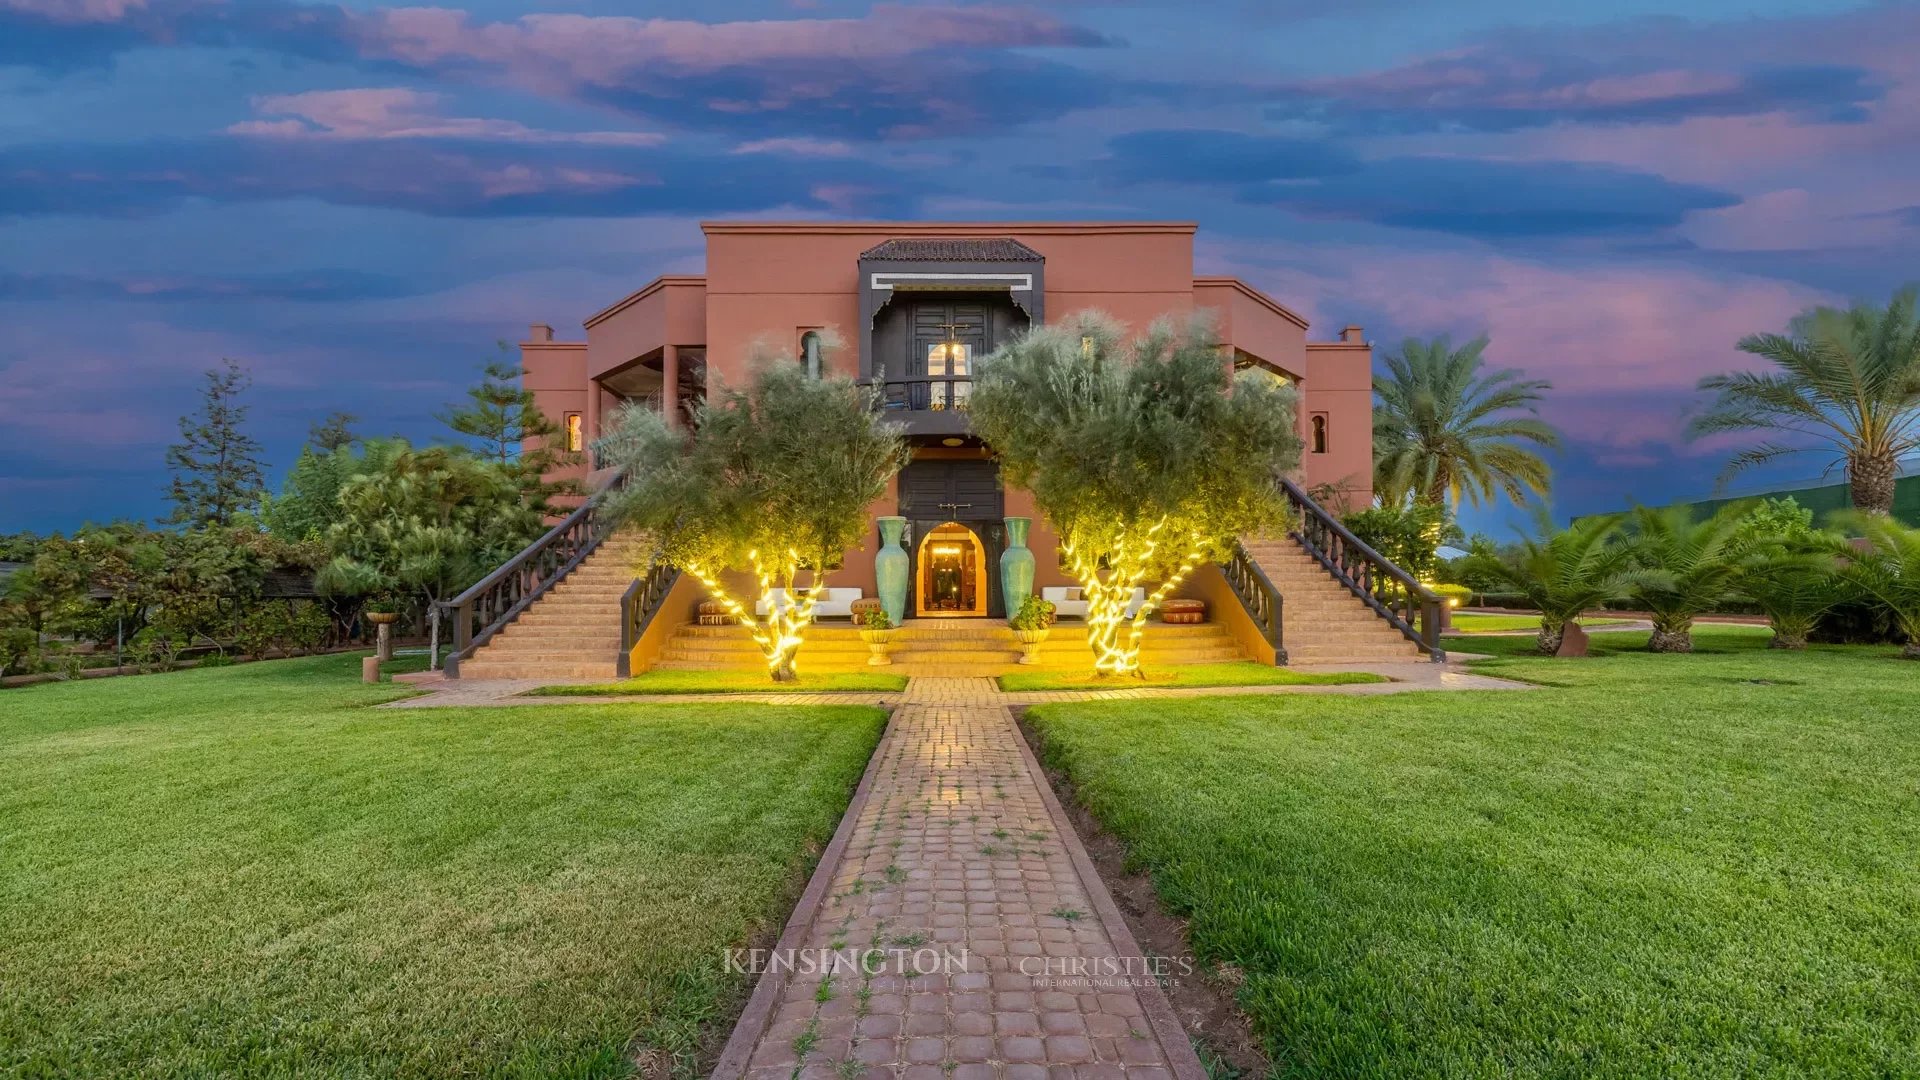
column 956, row 850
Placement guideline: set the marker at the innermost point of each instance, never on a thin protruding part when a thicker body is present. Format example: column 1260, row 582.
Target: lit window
column 1319, row 425
column 950, row 358
column 810, row 353
column 576, row 434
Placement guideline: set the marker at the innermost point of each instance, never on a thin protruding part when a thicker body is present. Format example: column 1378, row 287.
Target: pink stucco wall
column 773, row 281
column 556, row 372
column 1339, row 385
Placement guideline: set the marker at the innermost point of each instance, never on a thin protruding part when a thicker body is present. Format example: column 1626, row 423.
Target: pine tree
column 333, row 433
column 216, row 465
column 502, row 417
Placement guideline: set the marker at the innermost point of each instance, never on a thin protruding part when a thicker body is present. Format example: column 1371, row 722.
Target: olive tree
column 1147, row 455
column 775, row 478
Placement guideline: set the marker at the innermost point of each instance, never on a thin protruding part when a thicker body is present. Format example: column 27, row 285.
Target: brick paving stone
column 954, row 867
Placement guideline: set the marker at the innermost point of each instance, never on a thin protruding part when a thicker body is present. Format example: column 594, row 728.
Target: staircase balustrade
column 1410, row 607
column 497, row 599
column 1258, row 596
column 638, row 606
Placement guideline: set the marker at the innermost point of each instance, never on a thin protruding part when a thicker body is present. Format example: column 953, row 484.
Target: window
column 576, row 434
column 1319, row 432
column 949, row 359
column 810, row 353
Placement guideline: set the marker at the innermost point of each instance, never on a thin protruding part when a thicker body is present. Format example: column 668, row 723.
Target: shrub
column 1034, row 614
column 1408, row 535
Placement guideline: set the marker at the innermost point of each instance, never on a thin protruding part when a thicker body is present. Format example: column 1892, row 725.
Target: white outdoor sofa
column 837, row 602
column 1077, row 609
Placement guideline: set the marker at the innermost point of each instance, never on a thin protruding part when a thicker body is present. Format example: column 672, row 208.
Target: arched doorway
column 952, row 580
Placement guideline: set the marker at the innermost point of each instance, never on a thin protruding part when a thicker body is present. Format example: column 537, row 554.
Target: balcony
column 925, row 404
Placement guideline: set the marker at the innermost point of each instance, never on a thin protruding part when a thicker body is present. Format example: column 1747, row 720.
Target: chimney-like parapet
column 539, row 332
column 1353, row 335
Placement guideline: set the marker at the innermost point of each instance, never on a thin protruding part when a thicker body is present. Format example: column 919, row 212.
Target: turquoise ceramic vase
column 890, row 569
column 1016, row 566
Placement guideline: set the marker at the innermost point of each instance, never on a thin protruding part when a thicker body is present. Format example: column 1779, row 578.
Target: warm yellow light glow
column 781, row 633
column 946, row 549
column 1114, row 636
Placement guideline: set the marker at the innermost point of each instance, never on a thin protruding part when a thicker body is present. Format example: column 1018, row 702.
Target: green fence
column 1825, row 499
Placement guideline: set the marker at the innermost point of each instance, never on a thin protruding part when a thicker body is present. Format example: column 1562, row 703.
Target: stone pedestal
column 370, row 668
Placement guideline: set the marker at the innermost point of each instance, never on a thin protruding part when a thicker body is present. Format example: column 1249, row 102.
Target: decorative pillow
column 1073, row 595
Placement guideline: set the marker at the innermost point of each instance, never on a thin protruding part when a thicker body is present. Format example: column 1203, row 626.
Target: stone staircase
column 944, row 647
column 573, row 632
column 1321, row 621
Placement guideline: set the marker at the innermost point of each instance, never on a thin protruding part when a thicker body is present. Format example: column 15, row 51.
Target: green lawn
column 1700, row 865
column 729, row 682
column 244, row 872
column 1469, row 623
column 1236, row 673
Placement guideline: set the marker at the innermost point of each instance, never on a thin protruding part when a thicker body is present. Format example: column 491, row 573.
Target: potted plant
column 877, row 631
column 382, row 611
column 1031, row 624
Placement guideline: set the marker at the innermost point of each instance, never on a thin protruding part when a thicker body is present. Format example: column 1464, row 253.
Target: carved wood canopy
column 946, row 264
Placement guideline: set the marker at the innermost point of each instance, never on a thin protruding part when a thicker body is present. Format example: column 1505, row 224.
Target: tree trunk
column 1872, row 479
column 1911, row 651
column 1671, row 640
column 1787, row 638
column 1550, row 635
column 433, row 636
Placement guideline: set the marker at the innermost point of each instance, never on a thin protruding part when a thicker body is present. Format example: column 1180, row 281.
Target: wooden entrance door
column 966, row 492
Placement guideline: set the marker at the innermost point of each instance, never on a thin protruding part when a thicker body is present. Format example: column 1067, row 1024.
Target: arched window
column 810, row 353
column 1319, row 425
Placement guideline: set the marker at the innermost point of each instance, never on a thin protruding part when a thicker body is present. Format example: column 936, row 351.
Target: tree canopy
column 774, row 477
column 1846, row 383
column 216, row 466
column 1445, row 429
column 1146, row 454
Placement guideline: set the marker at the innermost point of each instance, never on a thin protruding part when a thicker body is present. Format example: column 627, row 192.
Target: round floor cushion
column 865, row 604
column 1183, row 611
column 714, row 613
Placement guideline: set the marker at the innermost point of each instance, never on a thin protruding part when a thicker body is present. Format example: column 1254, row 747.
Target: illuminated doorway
column 952, row 576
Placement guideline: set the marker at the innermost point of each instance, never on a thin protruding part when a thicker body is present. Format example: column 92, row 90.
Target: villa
column 912, row 308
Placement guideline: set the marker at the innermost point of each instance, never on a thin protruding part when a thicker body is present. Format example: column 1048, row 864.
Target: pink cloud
column 401, row 113
column 75, row 11
column 796, row 147
column 1623, row 345
column 552, row 53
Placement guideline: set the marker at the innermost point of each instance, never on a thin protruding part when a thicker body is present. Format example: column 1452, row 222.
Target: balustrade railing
column 1258, row 596
column 923, row 393
column 1409, row 606
column 495, row 600
column 638, row 605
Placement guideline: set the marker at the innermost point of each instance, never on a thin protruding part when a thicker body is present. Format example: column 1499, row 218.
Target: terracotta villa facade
column 914, row 306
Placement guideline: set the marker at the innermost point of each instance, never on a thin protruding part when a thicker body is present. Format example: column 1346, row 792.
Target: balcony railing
column 925, row 403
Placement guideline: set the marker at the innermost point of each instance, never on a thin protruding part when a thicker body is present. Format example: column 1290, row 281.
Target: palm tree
column 1792, row 588
column 1684, row 568
column 1888, row 570
column 1444, row 428
column 1849, row 381
column 1563, row 573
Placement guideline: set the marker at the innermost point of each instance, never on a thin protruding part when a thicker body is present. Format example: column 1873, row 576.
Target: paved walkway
column 997, row 951
column 955, row 928
column 1406, row 678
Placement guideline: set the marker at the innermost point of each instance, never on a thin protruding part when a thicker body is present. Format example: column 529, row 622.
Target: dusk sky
column 357, row 202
